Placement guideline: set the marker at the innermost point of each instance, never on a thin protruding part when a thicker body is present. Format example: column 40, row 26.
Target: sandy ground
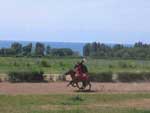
column 61, row 88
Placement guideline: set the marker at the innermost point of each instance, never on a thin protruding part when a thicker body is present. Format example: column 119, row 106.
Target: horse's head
column 70, row 72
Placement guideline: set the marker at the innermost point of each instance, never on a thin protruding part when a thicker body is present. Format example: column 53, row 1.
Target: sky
column 107, row 21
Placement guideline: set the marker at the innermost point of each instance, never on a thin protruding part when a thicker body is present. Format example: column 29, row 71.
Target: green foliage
column 77, row 98
column 100, row 50
column 48, row 50
column 101, row 77
column 61, row 65
column 133, row 76
column 44, row 63
column 39, row 49
column 70, row 103
column 7, row 51
column 17, row 47
column 28, row 64
column 15, row 64
column 86, row 49
column 123, row 65
column 62, row 52
column 121, row 76
column 26, row 50
column 26, row 76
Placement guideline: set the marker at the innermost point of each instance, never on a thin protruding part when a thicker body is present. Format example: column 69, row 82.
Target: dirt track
column 60, row 88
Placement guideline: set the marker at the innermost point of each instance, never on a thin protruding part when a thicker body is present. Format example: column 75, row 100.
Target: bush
column 77, row 98
column 26, row 76
column 123, row 65
column 133, row 76
column 28, row 64
column 15, row 64
column 61, row 64
column 101, row 77
column 45, row 63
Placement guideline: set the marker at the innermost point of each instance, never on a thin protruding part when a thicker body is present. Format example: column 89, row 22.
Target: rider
column 81, row 70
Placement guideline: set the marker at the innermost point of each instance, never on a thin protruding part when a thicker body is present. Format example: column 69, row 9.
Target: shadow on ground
column 85, row 91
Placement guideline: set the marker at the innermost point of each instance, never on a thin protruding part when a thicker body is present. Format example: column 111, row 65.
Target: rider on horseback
column 81, row 70
column 79, row 75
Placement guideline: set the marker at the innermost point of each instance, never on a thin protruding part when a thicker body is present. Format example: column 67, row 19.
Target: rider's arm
column 85, row 69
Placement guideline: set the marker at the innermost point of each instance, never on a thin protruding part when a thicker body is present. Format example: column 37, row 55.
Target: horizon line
column 68, row 41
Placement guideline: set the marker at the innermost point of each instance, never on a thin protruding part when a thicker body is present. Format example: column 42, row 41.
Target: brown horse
column 75, row 81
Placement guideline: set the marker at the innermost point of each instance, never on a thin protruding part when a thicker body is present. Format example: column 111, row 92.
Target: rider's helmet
column 84, row 60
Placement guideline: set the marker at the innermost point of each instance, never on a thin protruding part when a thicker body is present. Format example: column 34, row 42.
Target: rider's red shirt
column 80, row 74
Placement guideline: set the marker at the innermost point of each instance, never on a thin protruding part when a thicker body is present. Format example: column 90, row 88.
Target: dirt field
column 60, row 88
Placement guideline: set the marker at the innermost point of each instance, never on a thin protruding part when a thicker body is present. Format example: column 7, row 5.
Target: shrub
column 61, row 64
column 28, row 64
column 77, row 98
column 101, row 77
column 15, row 64
column 123, row 65
column 110, row 66
column 44, row 63
column 133, row 76
column 26, row 76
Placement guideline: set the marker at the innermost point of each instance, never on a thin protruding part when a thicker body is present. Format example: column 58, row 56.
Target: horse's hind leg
column 90, row 86
column 89, row 83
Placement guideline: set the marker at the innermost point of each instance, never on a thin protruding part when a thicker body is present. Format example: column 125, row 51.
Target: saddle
column 82, row 78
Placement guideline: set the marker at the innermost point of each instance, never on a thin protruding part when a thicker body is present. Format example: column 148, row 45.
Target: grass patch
column 61, row 65
column 100, row 70
column 82, row 103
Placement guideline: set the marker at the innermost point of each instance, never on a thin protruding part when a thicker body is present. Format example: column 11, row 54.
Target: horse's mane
column 70, row 71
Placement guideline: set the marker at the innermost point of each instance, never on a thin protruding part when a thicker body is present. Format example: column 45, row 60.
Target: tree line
column 39, row 49
column 100, row 50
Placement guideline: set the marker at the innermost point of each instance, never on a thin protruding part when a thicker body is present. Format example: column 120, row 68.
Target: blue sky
column 108, row 21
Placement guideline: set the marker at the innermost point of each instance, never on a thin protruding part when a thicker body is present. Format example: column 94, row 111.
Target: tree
column 39, row 49
column 118, row 47
column 48, row 50
column 100, row 50
column 93, row 50
column 62, row 52
column 27, row 49
column 17, row 47
column 138, row 44
column 86, row 49
column 7, row 51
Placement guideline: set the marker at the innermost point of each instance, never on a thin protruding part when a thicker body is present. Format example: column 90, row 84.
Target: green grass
column 60, row 65
column 82, row 103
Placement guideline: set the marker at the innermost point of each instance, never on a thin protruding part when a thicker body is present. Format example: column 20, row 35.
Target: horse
column 75, row 81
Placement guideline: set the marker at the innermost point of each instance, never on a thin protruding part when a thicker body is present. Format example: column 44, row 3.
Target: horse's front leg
column 74, row 84
column 70, row 83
